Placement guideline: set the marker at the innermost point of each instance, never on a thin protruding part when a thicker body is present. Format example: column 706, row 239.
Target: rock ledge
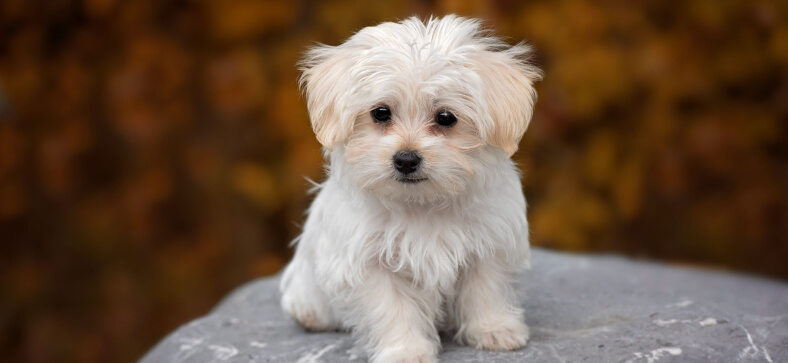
column 579, row 308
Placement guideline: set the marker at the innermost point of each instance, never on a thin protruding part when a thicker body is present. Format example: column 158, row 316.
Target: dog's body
column 421, row 224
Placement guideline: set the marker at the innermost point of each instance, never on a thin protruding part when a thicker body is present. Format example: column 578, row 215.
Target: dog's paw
column 405, row 355
column 312, row 321
column 510, row 336
column 311, row 317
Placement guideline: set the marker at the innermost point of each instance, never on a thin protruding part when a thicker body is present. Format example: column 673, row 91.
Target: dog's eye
column 381, row 114
column 445, row 118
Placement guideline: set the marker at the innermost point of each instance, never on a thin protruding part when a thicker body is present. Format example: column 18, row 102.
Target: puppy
column 420, row 226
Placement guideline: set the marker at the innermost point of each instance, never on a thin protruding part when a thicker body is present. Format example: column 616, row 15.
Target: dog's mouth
column 411, row 180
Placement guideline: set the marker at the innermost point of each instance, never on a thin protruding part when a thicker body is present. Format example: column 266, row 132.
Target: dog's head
column 416, row 109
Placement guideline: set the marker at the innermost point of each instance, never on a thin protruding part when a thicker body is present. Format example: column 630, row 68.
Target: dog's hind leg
column 304, row 300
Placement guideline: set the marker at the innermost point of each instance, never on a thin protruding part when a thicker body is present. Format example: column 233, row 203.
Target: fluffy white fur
column 397, row 262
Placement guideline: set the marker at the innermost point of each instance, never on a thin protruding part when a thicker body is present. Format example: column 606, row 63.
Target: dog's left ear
column 509, row 93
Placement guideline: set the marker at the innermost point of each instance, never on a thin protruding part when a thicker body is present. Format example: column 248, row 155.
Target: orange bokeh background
column 153, row 153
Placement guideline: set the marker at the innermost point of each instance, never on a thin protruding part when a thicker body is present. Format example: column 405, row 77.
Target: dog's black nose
column 406, row 161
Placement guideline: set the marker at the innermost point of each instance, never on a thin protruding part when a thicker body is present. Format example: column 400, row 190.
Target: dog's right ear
column 325, row 82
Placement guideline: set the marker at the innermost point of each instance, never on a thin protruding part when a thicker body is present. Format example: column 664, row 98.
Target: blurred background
column 153, row 153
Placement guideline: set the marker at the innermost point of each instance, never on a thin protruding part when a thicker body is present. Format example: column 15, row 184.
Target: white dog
column 420, row 226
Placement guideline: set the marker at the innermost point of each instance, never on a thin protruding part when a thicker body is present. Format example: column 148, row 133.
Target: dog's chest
column 430, row 250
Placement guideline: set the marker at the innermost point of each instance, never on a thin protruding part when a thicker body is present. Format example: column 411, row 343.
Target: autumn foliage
column 153, row 153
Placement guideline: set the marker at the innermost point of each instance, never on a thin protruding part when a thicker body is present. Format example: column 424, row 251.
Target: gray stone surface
column 579, row 308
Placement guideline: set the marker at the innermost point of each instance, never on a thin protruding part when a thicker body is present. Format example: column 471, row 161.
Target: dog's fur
column 396, row 262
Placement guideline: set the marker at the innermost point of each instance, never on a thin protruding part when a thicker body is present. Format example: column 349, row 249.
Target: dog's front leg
column 393, row 319
column 487, row 309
